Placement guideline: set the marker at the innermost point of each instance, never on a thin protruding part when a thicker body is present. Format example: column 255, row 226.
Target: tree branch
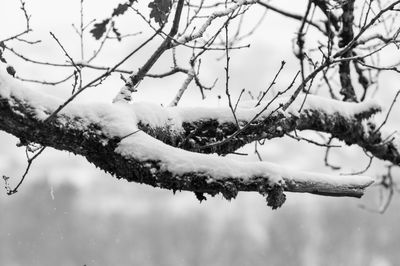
column 125, row 93
column 346, row 36
column 107, row 136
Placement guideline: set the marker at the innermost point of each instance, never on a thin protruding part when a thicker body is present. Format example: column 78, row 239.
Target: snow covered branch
column 117, row 138
column 198, row 129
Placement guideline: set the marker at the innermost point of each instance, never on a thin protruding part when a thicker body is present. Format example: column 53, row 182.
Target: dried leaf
column 99, row 29
column 160, row 10
column 122, row 8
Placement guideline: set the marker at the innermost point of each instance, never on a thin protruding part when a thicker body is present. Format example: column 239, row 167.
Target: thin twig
column 227, row 75
column 30, row 161
column 272, row 83
column 388, row 113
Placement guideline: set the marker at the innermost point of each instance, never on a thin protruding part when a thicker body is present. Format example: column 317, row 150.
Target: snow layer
column 118, row 120
column 158, row 116
column 143, row 147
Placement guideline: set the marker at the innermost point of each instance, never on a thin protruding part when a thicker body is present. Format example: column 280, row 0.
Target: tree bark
column 88, row 130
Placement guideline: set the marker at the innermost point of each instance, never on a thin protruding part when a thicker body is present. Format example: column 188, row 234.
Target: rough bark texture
column 70, row 134
column 346, row 35
column 198, row 134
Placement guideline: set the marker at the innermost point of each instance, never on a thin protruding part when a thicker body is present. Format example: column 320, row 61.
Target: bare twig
column 30, row 161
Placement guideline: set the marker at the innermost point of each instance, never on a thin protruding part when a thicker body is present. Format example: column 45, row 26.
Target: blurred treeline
column 100, row 225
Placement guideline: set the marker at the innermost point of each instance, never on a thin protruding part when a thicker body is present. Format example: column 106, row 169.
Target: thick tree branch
column 133, row 81
column 346, row 36
column 342, row 120
column 196, row 128
column 106, row 135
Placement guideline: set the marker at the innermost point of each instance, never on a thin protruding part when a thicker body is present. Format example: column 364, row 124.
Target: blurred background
column 69, row 213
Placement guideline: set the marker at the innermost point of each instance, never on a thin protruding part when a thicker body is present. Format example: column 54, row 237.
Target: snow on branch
column 209, row 130
column 110, row 137
column 210, row 18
